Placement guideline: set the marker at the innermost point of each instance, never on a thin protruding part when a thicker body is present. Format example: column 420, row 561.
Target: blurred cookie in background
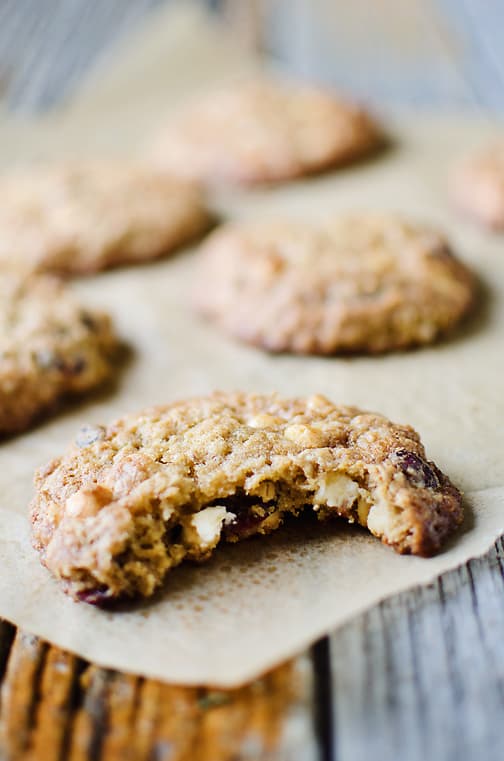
column 358, row 283
column 89, row 216
column 51, row 347
column 263, row 131
column 478, row 187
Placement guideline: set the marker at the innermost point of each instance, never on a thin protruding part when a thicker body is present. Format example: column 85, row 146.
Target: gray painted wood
column 428, row 53
column 423, row 53
column 299, row 738
column 421, row 675
column 47, row 45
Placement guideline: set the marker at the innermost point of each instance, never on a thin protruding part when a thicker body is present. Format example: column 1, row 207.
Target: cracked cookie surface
column 263, row 132
column 478, row 187
column 81, row 218
column 51, row 347
column 356, row 283
column 133, row 499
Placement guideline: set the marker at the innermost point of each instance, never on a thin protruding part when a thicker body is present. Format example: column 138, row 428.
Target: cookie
column 478, row 187
column 263, row 132
column 86, row 217
column 361, row 283
column 133, row 499
column 50, row 347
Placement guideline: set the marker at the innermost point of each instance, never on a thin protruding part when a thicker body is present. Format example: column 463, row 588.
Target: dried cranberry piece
column 241, row 506
column 99, row 596
column 71, row 367
column 78, row 365
column 244, row 522
column 416, row 470
column 49, row 360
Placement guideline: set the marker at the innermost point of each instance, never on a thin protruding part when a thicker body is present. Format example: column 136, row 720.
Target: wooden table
column 419, row 676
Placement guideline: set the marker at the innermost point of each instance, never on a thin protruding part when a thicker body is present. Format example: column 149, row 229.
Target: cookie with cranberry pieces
column 51, row 347
column 133, row 499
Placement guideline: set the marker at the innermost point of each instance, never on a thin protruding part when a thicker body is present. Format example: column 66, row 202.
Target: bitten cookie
column 86, row 217
column 50, row 347
column 361, row 283
column 263, row 132
column 133, row 499
column 478, row 187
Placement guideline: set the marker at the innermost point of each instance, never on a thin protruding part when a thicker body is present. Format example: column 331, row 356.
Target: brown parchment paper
column 258, row 602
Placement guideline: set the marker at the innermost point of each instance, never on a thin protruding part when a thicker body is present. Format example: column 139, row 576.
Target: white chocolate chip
column 303, row 435
column 337, row 490
column 208, row 524
column 317, row 402
column 363, row 508
column 264, row 421
column 229, row 519
column 87, row 503
column 167, row 512
column 378, row 519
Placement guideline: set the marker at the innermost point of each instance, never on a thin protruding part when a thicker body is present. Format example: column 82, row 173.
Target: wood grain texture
column 420, row 676
column 421, row 53
column 54, row 706
column 424, row 53
column 47, row 45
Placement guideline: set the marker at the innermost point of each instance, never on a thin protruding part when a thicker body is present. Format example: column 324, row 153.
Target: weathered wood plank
column 55, row 706
column 19, row 693
column 121, row 714
column 416, row 53
column 46, row 45
column 445, row 53
column 85, row 737
column 52, row 712
column 421, row 675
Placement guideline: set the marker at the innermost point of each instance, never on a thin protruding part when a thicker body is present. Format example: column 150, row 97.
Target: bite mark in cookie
column 356, row 283
column 113, row 516
column 51, row 347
